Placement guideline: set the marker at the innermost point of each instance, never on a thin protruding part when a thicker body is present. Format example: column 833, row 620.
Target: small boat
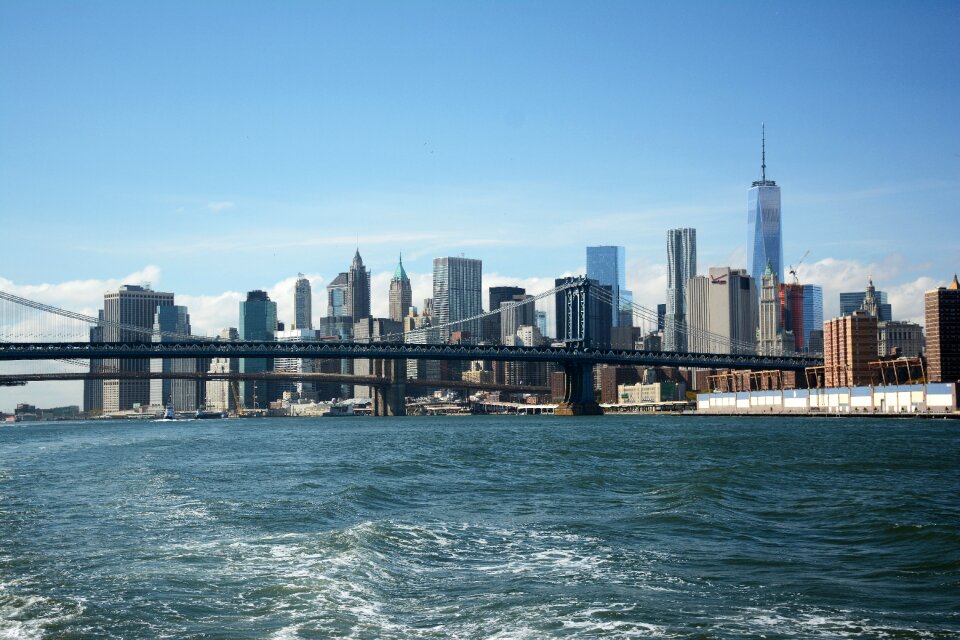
column 203, row 414
column 169, row 413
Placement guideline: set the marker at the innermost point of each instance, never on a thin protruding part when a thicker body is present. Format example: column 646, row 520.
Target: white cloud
column 220, row 205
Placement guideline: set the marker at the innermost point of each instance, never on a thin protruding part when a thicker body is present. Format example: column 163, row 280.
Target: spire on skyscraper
column 763, row 151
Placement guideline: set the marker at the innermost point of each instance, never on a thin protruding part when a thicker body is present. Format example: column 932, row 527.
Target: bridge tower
column 390, row 398
column 580, row 309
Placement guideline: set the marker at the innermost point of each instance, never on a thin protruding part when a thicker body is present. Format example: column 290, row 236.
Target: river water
column 481, row 527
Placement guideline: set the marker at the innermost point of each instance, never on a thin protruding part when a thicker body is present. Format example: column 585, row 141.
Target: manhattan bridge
column 34, row 334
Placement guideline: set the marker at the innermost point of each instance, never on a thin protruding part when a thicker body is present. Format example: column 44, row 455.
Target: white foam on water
column 823, row 624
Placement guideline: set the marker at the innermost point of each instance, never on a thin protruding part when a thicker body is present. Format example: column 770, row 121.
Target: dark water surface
column 481, row 527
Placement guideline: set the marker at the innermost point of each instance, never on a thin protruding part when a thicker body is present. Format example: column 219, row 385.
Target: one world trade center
column 764, row 235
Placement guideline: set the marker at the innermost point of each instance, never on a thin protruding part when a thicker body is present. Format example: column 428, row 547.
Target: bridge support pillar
column 578, row 398
column 390, row 399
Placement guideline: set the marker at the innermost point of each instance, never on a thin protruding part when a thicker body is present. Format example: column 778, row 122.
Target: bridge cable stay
column 710, row 337
column 478, row 317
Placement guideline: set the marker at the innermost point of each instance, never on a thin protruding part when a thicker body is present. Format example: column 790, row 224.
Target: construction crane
column 793, row 270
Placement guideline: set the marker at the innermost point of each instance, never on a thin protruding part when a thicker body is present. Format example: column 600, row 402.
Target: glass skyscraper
column 764, row 235
column 258, row 321
column 457, row 294
column 606, row 265
column 681, row 266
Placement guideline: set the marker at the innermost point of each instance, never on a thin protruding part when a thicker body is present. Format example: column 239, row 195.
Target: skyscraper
column 871, row 300
column 258, row 321
column 772, row 340
column 357, row 299
column 606, row 265
column 681, row 266
column 401, row 295
column 186, row 395
column 457, row 294
column 764, row 236
column 803, row 314
column 942, row 313
column 302, row 304
column 337, row 297
column 130, row 305
column 722, row 312
column 497, row 297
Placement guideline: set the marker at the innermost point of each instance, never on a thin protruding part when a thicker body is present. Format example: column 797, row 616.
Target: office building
column 871, row 300
column 722, row 312
column 661, row 316
column 681, row 267
column 357, row 298
column 303, row 390
column 849, row 346
column 133, row 306
column 942, row 313
column 764, row 234
column 541, row 318
column 803, row 315
column 258, row 321
column 337, row 297
column 185, row 394
column 457, row 295
column 401, row 295
column 900, row 338
column 772, row 339
column 606, row 265
column 302, row 304
column 492, row 324
column 518, row 311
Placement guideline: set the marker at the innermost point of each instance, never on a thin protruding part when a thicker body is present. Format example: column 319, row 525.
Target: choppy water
column 483, row 527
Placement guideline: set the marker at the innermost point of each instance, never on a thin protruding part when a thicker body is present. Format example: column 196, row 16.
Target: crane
column 793, row 270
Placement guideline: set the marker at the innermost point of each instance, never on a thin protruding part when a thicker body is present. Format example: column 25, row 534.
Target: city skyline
column 130, row 160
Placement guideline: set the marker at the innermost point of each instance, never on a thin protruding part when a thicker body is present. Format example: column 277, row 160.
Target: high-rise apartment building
column 401, row 295
column 942, row 312
column 302, row 304
column 681, row 267
column 849, row 346
column 764, row 234
column 258, row 321
column 722, row 312
column 357, row 299
column 457, row 294
column 606, row 265
column 135, row 306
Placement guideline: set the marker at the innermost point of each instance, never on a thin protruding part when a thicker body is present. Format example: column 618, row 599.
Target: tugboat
column 169, row 413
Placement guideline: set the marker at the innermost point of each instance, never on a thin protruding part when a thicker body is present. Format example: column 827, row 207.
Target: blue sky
column 218, row 147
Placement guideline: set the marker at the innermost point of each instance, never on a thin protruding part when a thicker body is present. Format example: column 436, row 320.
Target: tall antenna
column 763, row 152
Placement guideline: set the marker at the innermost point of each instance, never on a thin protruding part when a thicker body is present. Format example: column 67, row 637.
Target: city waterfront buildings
column 900, row 338
column 764, row 232
column 771, row 337
column 803, row 316
column 337, row 296
column 457, row 295
column 222, row 395
column 942, row 314
column 681, row 267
